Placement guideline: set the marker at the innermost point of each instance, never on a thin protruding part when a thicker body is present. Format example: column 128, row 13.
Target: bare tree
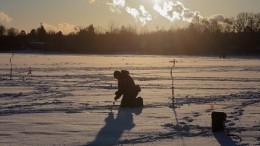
column 12, row 32
column 2, row 30
column 257, row 22
column 243, row 21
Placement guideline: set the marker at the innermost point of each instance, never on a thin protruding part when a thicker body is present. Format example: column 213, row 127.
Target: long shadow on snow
column 110, row 134
column 223, row 139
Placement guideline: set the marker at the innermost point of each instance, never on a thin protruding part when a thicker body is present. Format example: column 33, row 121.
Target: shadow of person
column 114, row 127
column 223, row 139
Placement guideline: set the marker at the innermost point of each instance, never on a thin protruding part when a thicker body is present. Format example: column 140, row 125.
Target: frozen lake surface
column 67, row 100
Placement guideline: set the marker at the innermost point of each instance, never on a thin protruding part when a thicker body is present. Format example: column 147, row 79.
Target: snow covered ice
column 68, row 100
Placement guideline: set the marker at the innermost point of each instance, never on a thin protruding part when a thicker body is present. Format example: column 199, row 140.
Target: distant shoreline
column 252, row 56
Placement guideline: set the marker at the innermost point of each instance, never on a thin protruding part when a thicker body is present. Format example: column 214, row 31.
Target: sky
column 69, row 15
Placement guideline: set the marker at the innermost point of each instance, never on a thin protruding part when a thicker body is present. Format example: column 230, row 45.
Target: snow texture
column 68, row 100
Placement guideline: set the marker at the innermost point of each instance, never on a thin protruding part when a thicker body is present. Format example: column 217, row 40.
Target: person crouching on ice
column 128, row 89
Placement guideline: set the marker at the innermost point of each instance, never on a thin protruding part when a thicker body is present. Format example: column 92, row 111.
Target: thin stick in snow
column 172, row 79
column 11, row 69
column 173, row 103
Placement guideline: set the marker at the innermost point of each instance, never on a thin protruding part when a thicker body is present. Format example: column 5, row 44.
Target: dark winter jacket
column 127, row 88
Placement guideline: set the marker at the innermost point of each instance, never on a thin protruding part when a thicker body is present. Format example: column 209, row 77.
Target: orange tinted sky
column 65, row 15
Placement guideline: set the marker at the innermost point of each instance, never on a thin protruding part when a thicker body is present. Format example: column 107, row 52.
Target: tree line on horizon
column 203, row 36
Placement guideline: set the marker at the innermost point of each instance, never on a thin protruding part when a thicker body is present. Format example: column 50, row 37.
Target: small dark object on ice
column 218, row 124
column 218, row 121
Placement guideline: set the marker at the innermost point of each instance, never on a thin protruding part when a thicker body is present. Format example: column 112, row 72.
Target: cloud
column 141, row 15
column 65, row 28
column 170, row 9
column 175, row 11
column 5, row 18
column 117, row 5
column 218, row 17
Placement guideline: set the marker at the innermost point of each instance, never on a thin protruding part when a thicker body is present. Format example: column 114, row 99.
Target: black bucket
column 218, row 121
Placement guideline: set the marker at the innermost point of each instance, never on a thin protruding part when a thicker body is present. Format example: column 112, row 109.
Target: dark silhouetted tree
column 41, row 33
column 2, row 31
